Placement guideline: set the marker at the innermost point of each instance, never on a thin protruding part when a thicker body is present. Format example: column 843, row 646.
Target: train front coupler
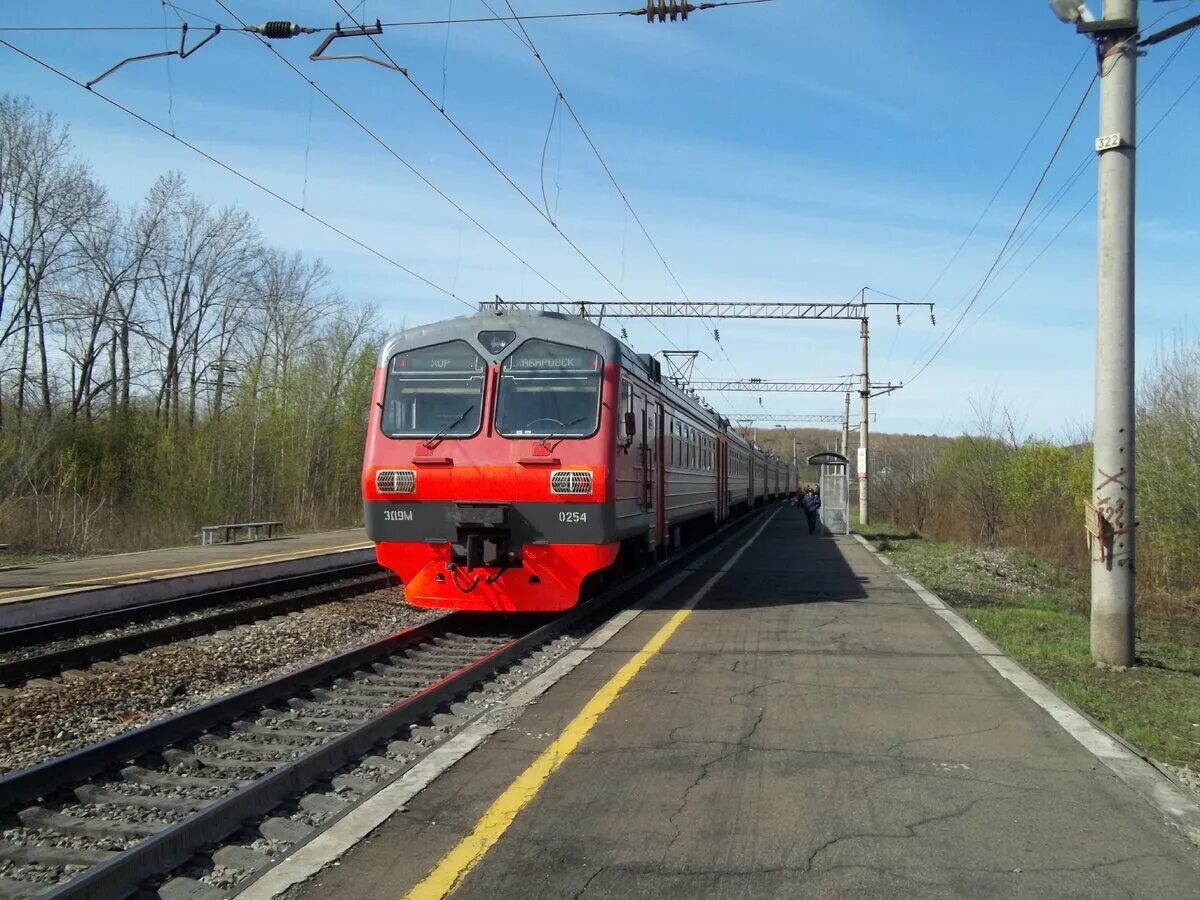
column 483, row 541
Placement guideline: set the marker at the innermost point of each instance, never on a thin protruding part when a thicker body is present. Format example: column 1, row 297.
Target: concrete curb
column 1142, row 777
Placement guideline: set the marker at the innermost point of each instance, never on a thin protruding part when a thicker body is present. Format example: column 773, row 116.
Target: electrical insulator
column 624, row 335
column 932, row 320
column 660, row 9
column 717, row 335
column 280, row 30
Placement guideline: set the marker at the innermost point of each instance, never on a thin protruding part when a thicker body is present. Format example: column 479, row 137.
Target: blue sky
column 792, row 150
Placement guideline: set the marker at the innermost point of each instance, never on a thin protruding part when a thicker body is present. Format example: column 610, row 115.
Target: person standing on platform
column 812, row 504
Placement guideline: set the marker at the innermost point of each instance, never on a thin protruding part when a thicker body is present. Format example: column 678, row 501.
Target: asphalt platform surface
column 812, row 729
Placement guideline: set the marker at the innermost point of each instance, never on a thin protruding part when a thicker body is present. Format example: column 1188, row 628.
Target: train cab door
column 649, row 456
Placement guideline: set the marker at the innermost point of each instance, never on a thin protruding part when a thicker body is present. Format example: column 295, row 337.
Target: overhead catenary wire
column 561, row 98
column 491, row 162
column 1012, row 232
column 358, row 242
column 1008, row 175
column 932, row 339
column 480, row 151
column 1087, row 203
column 1064, row 189
column 467, row 20
column 398, row 157
column 1068, row 183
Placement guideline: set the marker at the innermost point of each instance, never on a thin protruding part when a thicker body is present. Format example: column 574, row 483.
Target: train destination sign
column 545, row 356
column 456, row 357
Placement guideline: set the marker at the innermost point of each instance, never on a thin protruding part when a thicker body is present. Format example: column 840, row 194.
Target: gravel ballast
column 53, row 716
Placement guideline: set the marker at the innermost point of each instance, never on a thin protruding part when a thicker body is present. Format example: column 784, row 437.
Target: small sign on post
column 862, row 462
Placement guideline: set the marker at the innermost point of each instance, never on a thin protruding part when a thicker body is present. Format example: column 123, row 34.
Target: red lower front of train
column 549, row 578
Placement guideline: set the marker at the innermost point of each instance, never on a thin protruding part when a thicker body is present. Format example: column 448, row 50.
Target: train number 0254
column 572, row 518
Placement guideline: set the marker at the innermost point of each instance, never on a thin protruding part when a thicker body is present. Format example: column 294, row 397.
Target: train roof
column 551, row 326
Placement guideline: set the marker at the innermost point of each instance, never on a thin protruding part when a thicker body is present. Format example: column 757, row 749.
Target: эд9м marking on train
column 512, row 459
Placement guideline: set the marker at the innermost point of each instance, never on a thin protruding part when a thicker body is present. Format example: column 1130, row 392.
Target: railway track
column 51, row 647
column 262, row 770
column 137, row 805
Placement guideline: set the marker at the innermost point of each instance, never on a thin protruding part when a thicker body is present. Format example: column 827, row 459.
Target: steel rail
column 176, row 844
column 160, row 853
column 354, row 580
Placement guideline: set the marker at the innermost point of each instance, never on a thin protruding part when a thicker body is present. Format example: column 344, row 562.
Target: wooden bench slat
column 208, row 532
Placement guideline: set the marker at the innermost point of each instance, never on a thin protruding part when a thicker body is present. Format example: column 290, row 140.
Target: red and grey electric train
column 512, row 455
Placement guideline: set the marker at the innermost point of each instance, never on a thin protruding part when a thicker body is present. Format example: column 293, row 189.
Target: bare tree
column 44, row 196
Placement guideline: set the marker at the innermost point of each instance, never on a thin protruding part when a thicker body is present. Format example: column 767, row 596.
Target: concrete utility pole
column 846, row 426
column 1113, row 439
column 864, row 436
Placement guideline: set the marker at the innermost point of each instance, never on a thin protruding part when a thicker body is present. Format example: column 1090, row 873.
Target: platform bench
column 254, row 531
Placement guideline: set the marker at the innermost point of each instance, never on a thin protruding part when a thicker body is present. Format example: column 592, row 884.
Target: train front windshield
column 434, row 391
column 549, row 389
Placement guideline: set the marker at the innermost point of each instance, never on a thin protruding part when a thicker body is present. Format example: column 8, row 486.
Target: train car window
column 434, row 390
column 549, row 389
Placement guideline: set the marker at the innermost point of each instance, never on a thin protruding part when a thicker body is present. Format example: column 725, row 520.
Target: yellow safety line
column 211, row 564
column 452, row 867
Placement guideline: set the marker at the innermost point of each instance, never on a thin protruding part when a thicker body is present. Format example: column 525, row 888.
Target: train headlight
column 395, row 481
column 571, row 481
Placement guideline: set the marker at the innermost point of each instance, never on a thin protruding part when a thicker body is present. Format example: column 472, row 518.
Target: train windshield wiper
column 441, row 434
column 545, row 442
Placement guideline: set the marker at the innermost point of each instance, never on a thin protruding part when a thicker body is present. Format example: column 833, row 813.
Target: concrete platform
column 98, row 582
column 811, row 729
